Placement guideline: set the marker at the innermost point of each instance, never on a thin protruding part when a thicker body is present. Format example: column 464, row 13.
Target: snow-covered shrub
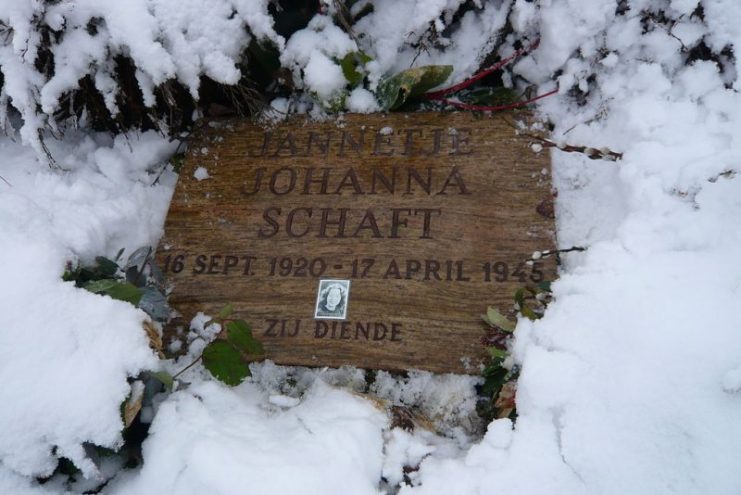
column 147, row 63
column 645, row 42
column 55, row 53
column 348, row 50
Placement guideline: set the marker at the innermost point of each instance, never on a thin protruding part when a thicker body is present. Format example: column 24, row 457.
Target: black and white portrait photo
column 332, row 299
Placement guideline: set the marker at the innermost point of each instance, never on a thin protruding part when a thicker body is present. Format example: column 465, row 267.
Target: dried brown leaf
column 133, row 405
column 155, row 339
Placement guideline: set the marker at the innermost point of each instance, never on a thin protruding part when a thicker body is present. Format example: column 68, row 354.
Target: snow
column 449, row 400
column 284, row 401
column 402, row 449
column 201, row 173
column 323, row 76
column 629, row 384
column 722, row 18
column 309, row 53
column 641, row 387
column 65, row 352
column 361, row 101
column 212, row 439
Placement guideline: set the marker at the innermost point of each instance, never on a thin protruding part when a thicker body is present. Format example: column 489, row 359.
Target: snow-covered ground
column 631, row 383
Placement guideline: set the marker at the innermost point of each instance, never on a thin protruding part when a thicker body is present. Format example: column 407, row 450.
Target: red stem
column 438, row 95
column 509, row 106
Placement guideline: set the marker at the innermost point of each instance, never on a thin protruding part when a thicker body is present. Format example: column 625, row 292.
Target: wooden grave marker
column 429, row 216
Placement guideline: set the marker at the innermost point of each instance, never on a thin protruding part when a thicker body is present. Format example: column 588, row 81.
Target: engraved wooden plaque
column 429, row 216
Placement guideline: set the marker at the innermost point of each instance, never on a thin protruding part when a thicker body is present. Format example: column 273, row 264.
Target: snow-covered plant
column 227, row 357
column 497, row 396
column 148, row 63
column 54, row 53
column 351, row 52
column 138, row 281
column 644, row 41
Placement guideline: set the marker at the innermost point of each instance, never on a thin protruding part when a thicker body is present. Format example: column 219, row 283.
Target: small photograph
column 332, row 299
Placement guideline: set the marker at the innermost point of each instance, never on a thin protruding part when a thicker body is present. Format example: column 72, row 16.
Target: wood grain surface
column 431, row 216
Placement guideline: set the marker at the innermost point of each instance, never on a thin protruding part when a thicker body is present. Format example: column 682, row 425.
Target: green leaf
column 226, row 311
column 333, row 104
column 100, row 286
column 106, row 268
column 71, row 274
column 239, row 334
column 497, row 353
column 497, row 319
column 528, row 313
column 494, row 378
column 225, row 363
column 489, row 96
column 165, row 378
column 154, row 303
column 117, row 290
column 520, row 296
column 177, row 162
column 394, row 91
column 139, row 258
column 350, row 63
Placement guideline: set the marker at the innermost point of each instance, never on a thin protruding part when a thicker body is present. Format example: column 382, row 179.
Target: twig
column 553, row 252
column 167, row 162
column 728, row 174
column 545, row 254
column 222, row 322
column 52, row 162
column 498, row 108
column 144, row 264
column 342, row 10
column 187, row 367
column 591, row 153
column 559, row 252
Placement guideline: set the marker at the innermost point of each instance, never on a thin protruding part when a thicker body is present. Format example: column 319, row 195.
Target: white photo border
column 345, row 284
